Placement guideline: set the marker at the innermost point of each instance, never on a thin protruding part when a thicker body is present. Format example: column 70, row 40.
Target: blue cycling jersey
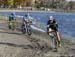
column 24, row 19
column 12, row 16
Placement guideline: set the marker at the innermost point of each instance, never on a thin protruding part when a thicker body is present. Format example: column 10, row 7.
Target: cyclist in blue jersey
column 12, row 20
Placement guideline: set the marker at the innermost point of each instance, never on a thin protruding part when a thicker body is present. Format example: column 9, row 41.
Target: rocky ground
column 15, row 44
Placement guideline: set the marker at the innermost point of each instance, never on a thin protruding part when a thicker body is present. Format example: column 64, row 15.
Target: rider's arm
column 9, row 18
column 47, row 26
column 56, row 24
column 48, row 23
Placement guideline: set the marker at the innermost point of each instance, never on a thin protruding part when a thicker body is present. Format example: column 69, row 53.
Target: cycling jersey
column 12, row 17
column 24, row 19
column 53, row 25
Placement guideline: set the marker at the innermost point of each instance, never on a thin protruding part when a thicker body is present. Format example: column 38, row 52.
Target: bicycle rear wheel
column 55, row 41
column 29, row 30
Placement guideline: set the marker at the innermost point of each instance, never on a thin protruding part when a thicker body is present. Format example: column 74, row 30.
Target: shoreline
column 22, row 10
column 39, row 11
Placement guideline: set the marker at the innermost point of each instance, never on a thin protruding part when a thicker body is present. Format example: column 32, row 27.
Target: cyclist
column 26, row 20
column 54, row 26
column 12, row 19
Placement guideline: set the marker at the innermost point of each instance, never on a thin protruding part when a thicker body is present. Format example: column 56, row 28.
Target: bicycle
column 53, row 36
column 29, row 30
column 26, row 28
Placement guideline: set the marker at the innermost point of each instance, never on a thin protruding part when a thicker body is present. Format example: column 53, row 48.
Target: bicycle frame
column 28, row 29
column 53, row 35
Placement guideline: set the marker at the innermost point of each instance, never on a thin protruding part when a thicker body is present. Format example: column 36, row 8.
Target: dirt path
column 14, row 44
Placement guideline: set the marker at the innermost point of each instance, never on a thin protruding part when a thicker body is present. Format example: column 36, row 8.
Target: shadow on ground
column 36, row 44
column 13, row 32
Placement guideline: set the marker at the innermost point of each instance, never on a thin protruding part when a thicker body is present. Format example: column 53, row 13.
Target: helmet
column 51, row 18
column 12, row 13
column 26, row 15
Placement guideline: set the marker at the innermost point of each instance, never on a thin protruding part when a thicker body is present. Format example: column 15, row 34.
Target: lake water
column 66, row 21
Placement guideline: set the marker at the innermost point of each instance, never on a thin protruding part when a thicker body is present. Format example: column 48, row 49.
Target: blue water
column 66, row 21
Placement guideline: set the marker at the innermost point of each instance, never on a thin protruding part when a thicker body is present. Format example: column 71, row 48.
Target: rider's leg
column 13, row 25
column 9, row 25
column 58, row 37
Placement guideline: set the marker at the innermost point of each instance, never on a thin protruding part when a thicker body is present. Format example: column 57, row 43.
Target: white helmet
column 51, row 17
